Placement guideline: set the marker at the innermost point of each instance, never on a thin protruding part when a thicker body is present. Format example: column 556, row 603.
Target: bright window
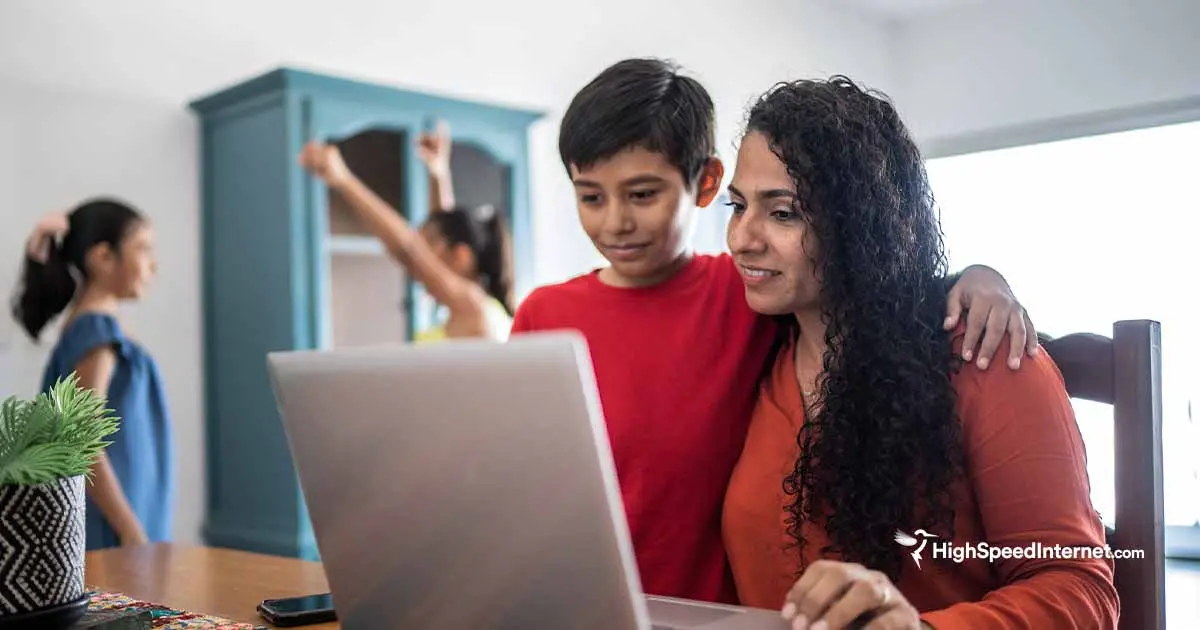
column 1091, row 231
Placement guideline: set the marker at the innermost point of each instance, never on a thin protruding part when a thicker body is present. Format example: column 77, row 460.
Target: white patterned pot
column 42, row 545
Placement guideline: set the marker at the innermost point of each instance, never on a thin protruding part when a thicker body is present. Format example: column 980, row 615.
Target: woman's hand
column 325, row 161
column 837, row 595
column 992, row 310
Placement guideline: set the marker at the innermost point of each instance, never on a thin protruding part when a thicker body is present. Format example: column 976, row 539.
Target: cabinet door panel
column 254, row 304
column 378, row 145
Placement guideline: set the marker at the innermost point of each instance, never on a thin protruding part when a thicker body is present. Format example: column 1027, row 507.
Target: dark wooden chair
column 1125, row 371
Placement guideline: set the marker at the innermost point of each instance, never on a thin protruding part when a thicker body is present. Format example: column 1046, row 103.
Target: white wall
column 94, row 100
column 57, row 148
column 529, row 52
column 988, row 66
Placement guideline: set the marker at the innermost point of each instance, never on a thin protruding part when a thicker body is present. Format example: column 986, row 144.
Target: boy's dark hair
column 640, row 103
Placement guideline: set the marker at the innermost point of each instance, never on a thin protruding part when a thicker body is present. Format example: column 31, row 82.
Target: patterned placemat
column 165, row 617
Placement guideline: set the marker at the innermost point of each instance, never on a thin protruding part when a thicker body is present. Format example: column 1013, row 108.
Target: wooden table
column 231, row 583
column 208, row 581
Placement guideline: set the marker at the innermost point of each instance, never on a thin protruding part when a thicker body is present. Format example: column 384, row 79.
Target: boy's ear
column 709, row 182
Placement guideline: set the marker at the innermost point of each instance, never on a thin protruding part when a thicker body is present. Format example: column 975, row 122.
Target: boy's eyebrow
column 643, row 179
column 632, row 181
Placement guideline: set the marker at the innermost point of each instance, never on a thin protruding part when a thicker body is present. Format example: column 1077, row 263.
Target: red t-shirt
column 677, row 365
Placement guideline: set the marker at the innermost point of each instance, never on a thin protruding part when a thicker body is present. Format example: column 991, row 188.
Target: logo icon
column 913, row 541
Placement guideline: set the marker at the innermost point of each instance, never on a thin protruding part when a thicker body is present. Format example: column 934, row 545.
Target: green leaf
column 42, row 463
column 12, row 421
column 58, row 434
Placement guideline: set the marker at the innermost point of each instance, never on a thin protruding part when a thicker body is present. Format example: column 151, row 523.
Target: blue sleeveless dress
column 141, row 450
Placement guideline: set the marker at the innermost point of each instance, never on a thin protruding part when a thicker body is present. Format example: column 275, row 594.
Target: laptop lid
column 466, row 484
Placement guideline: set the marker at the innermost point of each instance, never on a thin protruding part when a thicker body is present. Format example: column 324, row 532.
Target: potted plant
column 47, row 448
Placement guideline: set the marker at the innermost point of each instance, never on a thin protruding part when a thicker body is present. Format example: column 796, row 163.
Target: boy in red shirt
column 676, row 350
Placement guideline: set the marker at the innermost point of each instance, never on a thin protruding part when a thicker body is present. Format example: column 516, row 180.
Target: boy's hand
column 992, row 310
column 434, row 149
column 325, row 161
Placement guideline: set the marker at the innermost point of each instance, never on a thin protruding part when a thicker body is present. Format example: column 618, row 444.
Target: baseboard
column 276, row 541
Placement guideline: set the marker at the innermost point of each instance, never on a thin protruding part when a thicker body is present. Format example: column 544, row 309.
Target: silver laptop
column 470, row 485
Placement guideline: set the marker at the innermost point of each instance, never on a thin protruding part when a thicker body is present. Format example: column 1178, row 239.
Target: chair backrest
column 1125, row 371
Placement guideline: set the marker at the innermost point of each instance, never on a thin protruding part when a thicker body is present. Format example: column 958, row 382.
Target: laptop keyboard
column 669, row 615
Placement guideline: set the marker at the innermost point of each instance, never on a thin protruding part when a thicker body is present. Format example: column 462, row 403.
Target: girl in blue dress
column 86, row 263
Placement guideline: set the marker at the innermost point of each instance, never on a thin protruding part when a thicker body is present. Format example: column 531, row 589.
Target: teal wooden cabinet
column 285, row 267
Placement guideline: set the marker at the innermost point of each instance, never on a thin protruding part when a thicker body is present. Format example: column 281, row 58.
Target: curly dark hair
column 884, row 449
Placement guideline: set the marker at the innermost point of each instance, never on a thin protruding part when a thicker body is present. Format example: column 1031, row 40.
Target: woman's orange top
column 1026, row 483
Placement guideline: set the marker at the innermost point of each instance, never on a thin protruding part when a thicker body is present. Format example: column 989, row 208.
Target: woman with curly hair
column 867, row 435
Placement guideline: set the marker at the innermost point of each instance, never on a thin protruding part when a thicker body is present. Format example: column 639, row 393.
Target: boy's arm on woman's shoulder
column 991, row 310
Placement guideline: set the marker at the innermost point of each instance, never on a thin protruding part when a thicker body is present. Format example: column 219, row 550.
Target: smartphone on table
column 298, row 611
